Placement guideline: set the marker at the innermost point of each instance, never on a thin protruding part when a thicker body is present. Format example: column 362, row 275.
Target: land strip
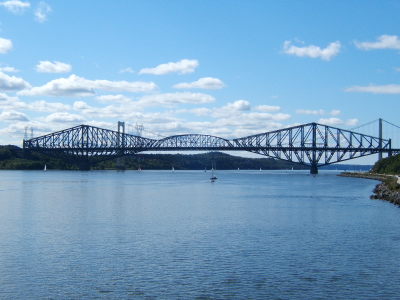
column 388, row 189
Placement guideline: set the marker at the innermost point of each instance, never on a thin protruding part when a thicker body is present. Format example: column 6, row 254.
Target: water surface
column 175, row 235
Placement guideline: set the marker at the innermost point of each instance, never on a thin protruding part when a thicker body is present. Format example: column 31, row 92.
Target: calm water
column 175, row 235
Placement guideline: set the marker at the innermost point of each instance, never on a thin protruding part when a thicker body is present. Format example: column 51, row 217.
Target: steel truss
column 84, row 140
column 314, row 144
column 309, row 144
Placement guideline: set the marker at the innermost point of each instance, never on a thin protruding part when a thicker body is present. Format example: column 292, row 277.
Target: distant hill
column 15, row 158
column 222, row 161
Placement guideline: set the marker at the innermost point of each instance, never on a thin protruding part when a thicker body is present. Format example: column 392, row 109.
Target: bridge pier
column 313, row 169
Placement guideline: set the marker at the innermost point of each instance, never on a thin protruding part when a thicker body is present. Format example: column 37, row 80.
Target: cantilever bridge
column 309, row 144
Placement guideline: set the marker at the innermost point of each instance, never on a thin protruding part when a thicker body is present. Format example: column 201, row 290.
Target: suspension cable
column 369, row 123
column 391, row 124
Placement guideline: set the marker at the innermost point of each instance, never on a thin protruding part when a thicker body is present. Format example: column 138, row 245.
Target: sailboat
column 45, row 168
column 213, row 177
column 173, row 169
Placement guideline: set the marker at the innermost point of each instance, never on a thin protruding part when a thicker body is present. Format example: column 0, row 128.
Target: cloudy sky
column 227, row 68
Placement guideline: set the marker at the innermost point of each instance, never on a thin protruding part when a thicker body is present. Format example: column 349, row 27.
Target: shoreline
column 388, row 189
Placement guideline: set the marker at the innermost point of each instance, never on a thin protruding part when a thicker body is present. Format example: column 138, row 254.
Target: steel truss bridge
column 311, row 144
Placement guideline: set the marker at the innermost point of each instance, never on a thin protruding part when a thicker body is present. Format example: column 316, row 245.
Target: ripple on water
column 124, row 235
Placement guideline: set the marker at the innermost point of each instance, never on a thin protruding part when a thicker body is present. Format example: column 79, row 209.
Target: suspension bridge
column 311, row 144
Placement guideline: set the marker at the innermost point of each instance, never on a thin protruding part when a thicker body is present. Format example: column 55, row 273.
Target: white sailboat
column 213, row 177
column 45, row 168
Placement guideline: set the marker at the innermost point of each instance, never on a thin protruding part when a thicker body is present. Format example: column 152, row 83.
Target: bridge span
column 310, row 144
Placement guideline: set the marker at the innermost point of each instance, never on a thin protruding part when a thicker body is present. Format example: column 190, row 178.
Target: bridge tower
column 314, row 161
column 121, row 134
column 380, row 138
column 120, row 162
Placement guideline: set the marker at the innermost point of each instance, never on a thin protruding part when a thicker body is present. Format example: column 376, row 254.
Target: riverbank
column 388, row 189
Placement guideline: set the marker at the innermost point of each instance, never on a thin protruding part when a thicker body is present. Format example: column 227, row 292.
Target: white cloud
column 383, row 42
column 176, row 98
column 335, row 112
column 352, row 122
column 75, row 86
column 15, row 6
column 44, row 106
column 268, row 108
column 238, row 105
column 42, row 11
column 376, row 89
column 310, row 112
column 312, row 51
column 46, row 66
column 127, row 70
column 63, row 117
column 10, row 103
column 182, row 67
column 10, row 83
column 201, row 111
column 101, row 124
column 235, row 119
column 336, row 121
column 269, row 116
column 8, row 69
column 114, row 98
column 207, row 83
column 5, row 45
column 330, row 121
column 14, row 132
column 14, row 103
column 81, row 105
column 10, row 116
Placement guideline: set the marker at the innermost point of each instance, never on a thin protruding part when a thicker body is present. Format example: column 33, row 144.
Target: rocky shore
column 388, row 189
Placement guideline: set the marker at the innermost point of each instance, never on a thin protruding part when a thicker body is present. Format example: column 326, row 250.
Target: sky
column 220, row 67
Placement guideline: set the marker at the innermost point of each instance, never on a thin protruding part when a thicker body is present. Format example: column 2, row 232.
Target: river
column 176, row 235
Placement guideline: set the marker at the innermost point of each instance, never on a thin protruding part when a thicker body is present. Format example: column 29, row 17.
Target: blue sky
column 226, row 68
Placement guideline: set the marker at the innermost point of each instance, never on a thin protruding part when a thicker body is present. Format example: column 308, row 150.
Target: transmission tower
column 26, row 133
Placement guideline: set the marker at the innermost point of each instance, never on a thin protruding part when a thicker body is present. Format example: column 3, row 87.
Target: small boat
column 260, row 169
column 45, row 168
column 213, row 177
column 173, row 169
